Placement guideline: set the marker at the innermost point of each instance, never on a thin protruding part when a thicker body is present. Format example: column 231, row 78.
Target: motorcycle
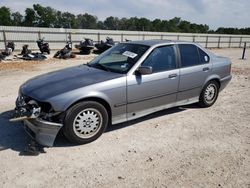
column 43, row 46
column 103, row 46
column 85, row 46
column 10, row 47
column 2, row 57
column 25, row 50
column 28, row 55
column 66, row 52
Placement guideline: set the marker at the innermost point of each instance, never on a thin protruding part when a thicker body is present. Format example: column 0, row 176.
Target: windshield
column 119, row 58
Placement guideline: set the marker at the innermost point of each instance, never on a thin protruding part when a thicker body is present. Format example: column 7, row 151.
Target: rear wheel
column 209, row 94
column 85, row 122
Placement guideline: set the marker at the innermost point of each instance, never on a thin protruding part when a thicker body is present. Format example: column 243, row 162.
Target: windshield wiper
column 88, row 64
column 102, row 67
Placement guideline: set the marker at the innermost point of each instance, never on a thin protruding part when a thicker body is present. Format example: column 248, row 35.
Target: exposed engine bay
column 39, row 119
column 25, row 110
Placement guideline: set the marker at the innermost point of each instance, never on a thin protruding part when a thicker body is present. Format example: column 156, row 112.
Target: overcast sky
column 215, row 13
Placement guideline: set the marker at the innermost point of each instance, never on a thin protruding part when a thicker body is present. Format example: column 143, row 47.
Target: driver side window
column 161, row 59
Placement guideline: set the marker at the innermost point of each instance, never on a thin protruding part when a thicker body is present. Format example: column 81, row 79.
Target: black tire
column 70, row 122
column 204, row 100
column 56, row 54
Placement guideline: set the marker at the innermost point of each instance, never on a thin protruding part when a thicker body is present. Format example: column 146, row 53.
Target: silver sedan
column 128, row 81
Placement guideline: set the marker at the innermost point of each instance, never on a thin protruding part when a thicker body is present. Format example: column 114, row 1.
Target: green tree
column 144, row 24
column 174, row 24
column 40, row 16
column 5, row 16
column 68, row 20
column 157, row 25
column 17, row 19
column 30, row 17
column 112, row 23
column 184, row 26
column 86, row 21
column 45, row 16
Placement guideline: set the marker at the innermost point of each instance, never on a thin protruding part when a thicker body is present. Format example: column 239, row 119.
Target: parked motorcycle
column 66, row 52
column 2, row 57
column 85, row 46
column 102, row 46
column 28, row 55
column 43, row 46
column 25, row 50
column 10, row 47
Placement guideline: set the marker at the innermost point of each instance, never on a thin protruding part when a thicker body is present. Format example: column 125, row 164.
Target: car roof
column 154, row 42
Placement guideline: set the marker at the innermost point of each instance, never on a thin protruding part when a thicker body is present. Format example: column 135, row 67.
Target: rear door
column 195, row 68
column 149, row 93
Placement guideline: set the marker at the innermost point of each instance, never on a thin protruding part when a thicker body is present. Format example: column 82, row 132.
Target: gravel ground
column 179, row 147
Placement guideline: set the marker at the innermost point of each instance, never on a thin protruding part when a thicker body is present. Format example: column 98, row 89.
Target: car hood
column 51, row 84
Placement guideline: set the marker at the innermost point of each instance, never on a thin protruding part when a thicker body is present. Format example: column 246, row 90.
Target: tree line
column 40, row 16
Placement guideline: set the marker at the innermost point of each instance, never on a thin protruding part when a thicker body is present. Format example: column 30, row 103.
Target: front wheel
column 209, row 94
column 48, row 51
column 85, row 122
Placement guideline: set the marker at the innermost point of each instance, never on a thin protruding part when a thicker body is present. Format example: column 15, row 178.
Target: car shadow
column 62, row 142
column 13, row 136
column 145, row 118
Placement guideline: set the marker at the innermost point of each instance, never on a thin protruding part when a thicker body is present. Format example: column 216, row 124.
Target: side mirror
column 145, row 70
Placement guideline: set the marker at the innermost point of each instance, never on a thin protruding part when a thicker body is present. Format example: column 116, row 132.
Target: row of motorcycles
column 43, row 46
column 85, row 47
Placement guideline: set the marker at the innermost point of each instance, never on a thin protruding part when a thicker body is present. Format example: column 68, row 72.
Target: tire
column 85, row 122
column 56, row 54
column 209, row 94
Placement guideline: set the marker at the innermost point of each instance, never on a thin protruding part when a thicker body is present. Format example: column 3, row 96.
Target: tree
column 17, row 19
column 45, row 16
column 143, row 24
column 86, row 21
column 40, row 16
column 184, row 26
column 68, row 20
column 5, row 16
column 30, row 18
column 111, row 23
column 174, row 24
column 157, row 25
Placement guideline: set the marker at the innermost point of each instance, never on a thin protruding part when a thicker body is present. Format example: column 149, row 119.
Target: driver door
column 156, row 91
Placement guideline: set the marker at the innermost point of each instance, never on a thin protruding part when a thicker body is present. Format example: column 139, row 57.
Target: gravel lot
column 179, row 147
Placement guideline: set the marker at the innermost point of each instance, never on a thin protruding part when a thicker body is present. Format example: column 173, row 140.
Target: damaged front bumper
column 44, row 132
column 37, row 123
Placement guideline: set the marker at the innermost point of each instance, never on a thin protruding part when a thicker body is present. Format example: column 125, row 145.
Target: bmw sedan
column 128, row 81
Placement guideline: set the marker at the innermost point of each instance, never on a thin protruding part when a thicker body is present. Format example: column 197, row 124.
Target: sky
column 215, row 13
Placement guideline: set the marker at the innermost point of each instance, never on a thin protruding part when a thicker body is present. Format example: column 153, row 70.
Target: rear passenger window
column 189, row 55
column 204, row 58
column 161, row 59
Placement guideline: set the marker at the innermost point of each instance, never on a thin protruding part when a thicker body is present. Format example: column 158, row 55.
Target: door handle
column 172, row 75
column 205, row 69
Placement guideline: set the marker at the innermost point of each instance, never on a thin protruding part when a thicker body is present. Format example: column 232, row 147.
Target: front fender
column 113, row 92
column 63, row 101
